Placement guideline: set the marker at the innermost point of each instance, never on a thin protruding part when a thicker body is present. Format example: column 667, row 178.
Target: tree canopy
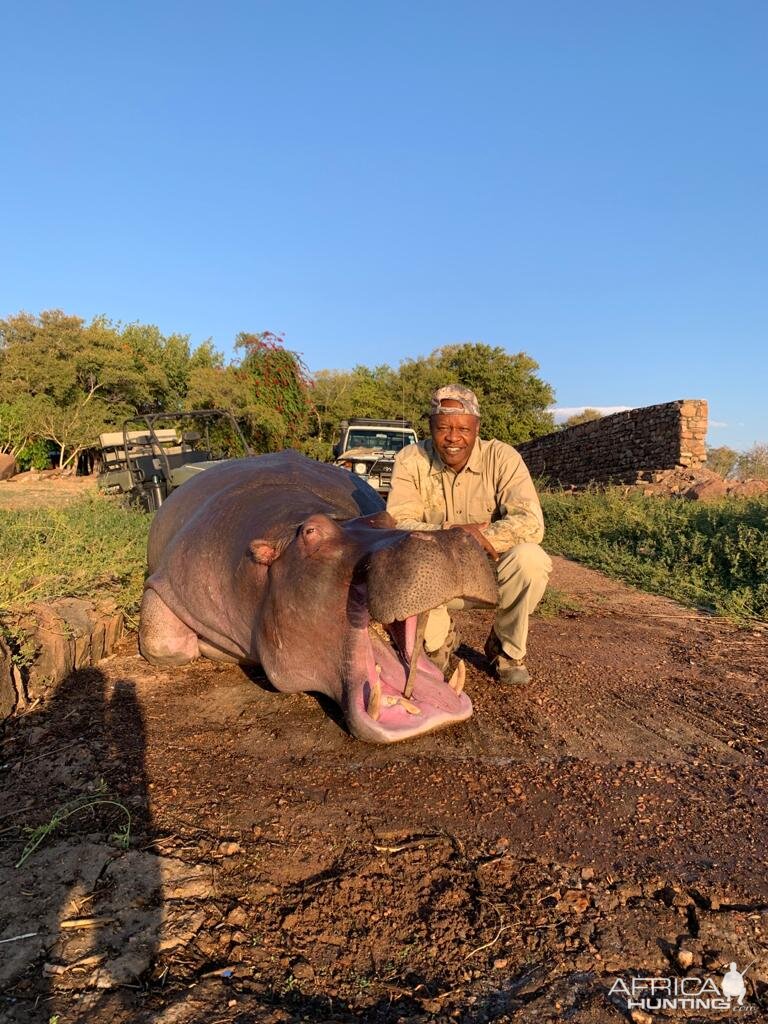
column 722, row 460
column 753, row 463
column 585, row 416
column 68, row 380
column 63, row 381
column 513, row 399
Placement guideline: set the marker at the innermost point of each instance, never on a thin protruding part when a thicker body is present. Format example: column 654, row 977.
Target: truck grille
column 384, row 470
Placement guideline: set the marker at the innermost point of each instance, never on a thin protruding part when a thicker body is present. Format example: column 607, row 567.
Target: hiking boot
column 442, row 656
column 507, row 670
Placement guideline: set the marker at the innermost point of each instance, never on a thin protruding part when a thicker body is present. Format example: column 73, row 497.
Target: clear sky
column 582, row 181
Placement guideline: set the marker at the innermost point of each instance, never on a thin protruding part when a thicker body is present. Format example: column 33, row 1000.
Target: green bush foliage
column 34, row 455
column 710, row 555
column 513, row 398
column 91, row 548
column 65, row 381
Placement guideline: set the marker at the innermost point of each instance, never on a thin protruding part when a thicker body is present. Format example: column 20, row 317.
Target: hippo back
column 262, row 495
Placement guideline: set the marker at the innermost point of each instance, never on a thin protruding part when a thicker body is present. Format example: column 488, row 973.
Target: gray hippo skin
column 283, row 561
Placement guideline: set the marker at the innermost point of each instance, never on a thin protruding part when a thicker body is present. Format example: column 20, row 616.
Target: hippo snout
column 427, row 569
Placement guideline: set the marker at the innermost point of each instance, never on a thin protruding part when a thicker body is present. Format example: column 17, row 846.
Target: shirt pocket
column 480, row 510
column 434, row 502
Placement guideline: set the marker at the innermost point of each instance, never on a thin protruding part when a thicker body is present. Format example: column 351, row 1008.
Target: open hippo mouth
column 394, row 691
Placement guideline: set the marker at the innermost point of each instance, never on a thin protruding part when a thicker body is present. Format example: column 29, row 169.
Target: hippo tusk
column 459, row 677
column 418, row 647
column 406, row 705
column 374, row 699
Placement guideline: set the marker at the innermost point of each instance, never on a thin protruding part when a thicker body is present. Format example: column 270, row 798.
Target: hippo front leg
column 163, row 638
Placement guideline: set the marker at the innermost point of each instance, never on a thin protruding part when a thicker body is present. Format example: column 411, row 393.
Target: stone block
column 66, row 635
column 8, row 696
column 7, row 466
column 49, row 634
column 707, row 490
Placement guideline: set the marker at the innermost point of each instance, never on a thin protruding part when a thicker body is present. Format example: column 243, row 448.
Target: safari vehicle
column 155, row 453
column 368, row 447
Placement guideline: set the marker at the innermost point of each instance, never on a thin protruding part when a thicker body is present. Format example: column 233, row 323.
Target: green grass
column 709, row 555
column 556, row 603
column 91, row 548
column 37, row 836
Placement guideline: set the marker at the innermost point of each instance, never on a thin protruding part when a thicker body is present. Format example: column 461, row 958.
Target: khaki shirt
column 494, row 486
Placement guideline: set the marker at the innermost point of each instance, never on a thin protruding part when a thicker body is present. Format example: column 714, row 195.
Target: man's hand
column 476, row 530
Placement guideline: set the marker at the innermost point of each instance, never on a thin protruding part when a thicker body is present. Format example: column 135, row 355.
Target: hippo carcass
column 282, row 561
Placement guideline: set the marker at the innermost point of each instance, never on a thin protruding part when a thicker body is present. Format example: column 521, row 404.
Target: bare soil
column 607, row 820
column 49, row 487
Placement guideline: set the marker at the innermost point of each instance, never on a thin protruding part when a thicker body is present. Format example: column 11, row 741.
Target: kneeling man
column 458, row 481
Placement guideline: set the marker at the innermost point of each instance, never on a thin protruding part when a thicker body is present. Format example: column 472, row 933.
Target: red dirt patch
column 592, row 824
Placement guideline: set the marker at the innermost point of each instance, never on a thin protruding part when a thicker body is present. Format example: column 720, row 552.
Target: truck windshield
column 381, row 440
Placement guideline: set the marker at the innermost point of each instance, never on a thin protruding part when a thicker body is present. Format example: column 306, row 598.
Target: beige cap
column 456, row 393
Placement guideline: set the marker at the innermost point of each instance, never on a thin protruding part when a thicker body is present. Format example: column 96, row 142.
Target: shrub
column 34, row 455
column 91, row 548
column 711, row 555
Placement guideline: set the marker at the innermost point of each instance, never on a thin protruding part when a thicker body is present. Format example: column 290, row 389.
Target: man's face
column 454, row 435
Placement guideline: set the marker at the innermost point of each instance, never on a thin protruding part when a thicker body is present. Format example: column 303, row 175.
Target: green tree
column 280, row 402
column 586, row 416
column 64, row 358
column 753, row 464
column 722, row 460
column 80, row 378
column 416, row 380
column 268, row 390
column 72, row 427
column 205, row 356
column 160, row 367
column 226, row 387
column 363, row 391
column 72, row 375
column 513, row 399
column 16, row 428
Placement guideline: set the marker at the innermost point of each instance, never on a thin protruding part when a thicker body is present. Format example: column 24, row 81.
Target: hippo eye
column 309, row 529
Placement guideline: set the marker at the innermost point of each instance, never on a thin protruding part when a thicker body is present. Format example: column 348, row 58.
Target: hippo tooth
column 411, row 708
column 459, row 677
column 374, row 700
column 407, row 705
column 418, row 647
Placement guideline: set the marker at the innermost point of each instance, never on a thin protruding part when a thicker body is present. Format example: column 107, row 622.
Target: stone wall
column 624, row 447
column 52, row 640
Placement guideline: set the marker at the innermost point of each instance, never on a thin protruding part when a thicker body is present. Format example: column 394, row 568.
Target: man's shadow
column 76, row 827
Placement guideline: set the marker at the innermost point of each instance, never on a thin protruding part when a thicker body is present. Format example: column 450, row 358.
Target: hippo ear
column 263, row 551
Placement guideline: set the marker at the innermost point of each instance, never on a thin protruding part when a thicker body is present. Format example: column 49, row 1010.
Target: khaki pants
column 522, row 574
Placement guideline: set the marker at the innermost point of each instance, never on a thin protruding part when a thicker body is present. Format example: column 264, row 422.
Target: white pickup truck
column 368, row 447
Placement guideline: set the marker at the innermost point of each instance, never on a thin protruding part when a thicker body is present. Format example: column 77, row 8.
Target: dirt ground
column 606, row 821
column 50, row 487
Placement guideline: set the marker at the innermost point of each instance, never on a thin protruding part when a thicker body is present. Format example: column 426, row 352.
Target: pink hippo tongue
column 392, row 697
column 409, row 637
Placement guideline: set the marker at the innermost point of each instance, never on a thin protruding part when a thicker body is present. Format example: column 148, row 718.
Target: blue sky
column 585, row 182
